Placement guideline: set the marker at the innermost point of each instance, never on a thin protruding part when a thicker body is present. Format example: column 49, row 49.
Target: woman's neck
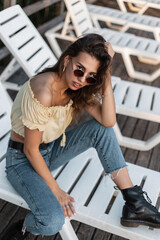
column 59, row 84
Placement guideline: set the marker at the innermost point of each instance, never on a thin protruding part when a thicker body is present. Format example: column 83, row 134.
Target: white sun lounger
column 84, row 179
column 139, row 6
column 140, row 101
column 123, row 21
column 144, row 104
column 25, row 43
column 78, row 22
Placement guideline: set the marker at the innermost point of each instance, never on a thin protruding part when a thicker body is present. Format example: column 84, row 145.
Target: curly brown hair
column 94, row 45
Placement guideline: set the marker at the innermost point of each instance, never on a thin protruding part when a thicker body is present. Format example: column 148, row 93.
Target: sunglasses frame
column 74, row 70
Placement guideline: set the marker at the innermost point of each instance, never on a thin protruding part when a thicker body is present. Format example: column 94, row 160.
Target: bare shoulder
column 41, row 87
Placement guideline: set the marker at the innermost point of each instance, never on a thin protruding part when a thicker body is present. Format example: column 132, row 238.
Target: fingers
column 109, row 49
column 71, row 199
column 72, row 208
column 68, row 210
column 65, row 211
column 67, row 206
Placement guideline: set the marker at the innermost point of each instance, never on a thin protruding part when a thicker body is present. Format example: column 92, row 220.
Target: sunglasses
column 79, row 73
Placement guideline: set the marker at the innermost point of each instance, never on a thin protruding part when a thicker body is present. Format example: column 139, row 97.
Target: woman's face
column 88, row 66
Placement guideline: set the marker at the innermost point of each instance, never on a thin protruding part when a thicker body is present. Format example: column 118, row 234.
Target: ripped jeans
column 46, row 216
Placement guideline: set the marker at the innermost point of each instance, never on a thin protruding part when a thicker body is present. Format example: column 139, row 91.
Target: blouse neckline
column 52, row 107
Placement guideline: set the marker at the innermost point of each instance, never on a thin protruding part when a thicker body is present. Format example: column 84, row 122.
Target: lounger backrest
column 79, row 16
column 5, row 123
column 24, row 41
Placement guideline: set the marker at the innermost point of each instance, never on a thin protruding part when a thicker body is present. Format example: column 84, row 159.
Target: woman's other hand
column 65, row 201
column 109, row 49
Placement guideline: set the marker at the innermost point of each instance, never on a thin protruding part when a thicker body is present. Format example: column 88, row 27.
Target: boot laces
column 148, row 199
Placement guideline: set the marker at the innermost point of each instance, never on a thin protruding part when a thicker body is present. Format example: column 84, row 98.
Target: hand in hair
column 109, row 49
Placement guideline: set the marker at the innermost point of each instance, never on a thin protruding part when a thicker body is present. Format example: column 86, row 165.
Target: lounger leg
column 67, row 232
column 12, row 86
column 143, row 9
column 130, row 68
column 53, row 43
column 135, row 143
column 134, row 8
column 95, row 22
column 156, row 34
column 122, row 5
column 135, row 74
column 11, row 68
column 148, row 60
column 109, row 24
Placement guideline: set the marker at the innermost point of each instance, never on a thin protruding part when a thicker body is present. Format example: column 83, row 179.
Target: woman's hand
column 65, row 201
column 107, row 83
column 109, row 49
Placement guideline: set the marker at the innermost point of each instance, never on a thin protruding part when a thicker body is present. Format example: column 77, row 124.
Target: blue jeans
column 46, row 216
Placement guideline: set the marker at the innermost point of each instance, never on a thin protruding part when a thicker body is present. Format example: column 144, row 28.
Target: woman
column 41, row 112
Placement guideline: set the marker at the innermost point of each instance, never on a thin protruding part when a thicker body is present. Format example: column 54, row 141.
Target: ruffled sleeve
column 34, row 114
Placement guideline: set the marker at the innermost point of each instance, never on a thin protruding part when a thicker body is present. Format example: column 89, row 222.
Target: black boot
column 16, row 232
column 137, row 211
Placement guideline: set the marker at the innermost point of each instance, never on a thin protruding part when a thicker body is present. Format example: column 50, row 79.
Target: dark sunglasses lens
column 78, row 73
column 91, row 80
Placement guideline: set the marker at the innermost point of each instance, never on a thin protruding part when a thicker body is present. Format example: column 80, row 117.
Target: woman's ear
column 66, row 60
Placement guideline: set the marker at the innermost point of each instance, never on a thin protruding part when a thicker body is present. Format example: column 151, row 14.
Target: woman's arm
column 105, row 113
column 31, row 149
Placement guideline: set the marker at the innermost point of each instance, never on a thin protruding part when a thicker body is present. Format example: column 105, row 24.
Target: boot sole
column 136, row 223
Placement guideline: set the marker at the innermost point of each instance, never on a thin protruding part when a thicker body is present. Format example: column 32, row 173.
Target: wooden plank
column 8, row 3
column 35, row 7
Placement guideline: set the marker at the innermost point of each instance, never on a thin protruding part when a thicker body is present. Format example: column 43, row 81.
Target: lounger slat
column 73, row 1
column 13, row 26
column 102, row 197
column 5, row 125
column 37, row 60
column 145, row 102
column 152, row 47
column 132, row 96
column 119, row 92
column 71, row 171
column 124, row 41
column 133, row 43
column 27, row 51
column 4, row 144
column 158, row 50
column 85, row 185
column 80, row 17
column 156, row 108
column 143, row 45
column 22, row 37
column 77, row 7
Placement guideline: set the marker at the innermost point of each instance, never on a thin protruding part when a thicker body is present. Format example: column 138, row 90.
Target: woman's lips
column 77, row 85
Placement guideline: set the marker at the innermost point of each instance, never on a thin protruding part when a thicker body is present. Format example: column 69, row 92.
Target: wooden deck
column 136, row 128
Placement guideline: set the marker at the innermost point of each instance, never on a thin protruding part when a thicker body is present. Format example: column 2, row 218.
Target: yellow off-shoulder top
column 28, row 111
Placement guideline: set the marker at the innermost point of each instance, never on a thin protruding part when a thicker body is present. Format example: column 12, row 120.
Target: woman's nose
column 82, row 79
